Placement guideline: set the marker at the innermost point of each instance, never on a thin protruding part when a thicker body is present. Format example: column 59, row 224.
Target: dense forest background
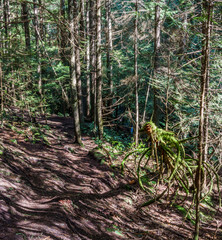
column 115, row 65
column 130, row 58
column 125, row 60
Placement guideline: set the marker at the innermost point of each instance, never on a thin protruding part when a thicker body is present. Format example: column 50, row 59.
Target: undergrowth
column 163, row 156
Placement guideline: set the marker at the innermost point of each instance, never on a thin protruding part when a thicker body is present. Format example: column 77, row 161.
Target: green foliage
column 35, row 134
column 14, row 141
column 115, row 229
column 186, row 213
column 171, row 164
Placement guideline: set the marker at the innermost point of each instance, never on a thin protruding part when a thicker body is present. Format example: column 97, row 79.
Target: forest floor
column 59, row 191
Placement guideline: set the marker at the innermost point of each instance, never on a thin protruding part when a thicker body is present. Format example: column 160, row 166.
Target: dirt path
column 59, row 192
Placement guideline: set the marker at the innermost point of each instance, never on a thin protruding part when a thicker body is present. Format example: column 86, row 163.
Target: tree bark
column 82, row 21
column 136, row 133
column 63, row 33
column 1, row 86
column 146, row 101
column 99, row 72
column 78, row 62
column 6, row 17
column 1, row 24
column 74, row 88
column 88, row 96
column 156, row 103
column 203, row 122
column 39, row 55
column 41, row 22
column 109, row 42
column 25, row 20
column 92, row 17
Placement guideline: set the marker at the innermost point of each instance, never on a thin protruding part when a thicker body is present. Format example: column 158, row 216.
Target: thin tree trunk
column 41, row 22
column 167, row 95
column 99, row 72
column 1, row 25
column 203, row 122
column 62, row 31
column 25, row 20
column 39, row 68
column 2, row 93
column 1, row 46
column 92, row 17
column 146, row 101
column 13, row 90
column 156, row 113
column 6, row 17
column 82, row 22
column 74, row 89
column 36, row 24
column 109, row 49
column 88, row 97
column 136, row 134
column 78, row 63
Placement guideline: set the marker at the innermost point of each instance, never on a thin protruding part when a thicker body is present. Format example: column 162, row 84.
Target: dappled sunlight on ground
column 58, row 191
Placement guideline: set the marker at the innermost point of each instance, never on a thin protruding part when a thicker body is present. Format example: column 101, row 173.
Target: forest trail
column 58, row 191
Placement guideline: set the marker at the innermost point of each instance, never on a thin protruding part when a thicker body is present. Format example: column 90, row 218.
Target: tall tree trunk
column 146, row 101
column 36, row 24
column 88, row 97
column 41, row 21
column 6, row 17
column 167, row 95
column 136, row 133
column 82, row 22
column 156, row 103
column 109, row 42
column 99, row 72
column 62, row 31
column 1, row 24
column 92, row 17
column 78, row 62
column 25, row 20
column 203, row 122
column 1, row 86
column 38, row 50
column 74, row 88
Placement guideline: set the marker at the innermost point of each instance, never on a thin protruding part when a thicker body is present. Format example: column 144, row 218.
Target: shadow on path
column 47, row 192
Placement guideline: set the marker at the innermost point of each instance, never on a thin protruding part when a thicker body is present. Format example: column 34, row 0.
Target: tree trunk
column 99, row 72
column 41, row 22
column 203, row 122
column 109, row 43
column 6, row 17
column 1, row 46
column 78, row 62
column 1, row 24
column 167, row 95
column 25, row 20
column 82, row 22
column 38, row 50
column 146, row 101
column 136, row 133
column 62, row 31
column 88, row 97
column 74, row 89
column 1, row 86
column 92, row 17
column 156, row 103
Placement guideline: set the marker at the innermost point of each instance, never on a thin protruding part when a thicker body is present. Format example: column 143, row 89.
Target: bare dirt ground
column 58, row 191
